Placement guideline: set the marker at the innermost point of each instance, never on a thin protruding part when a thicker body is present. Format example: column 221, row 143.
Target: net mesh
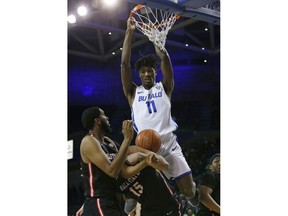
column 154, row 23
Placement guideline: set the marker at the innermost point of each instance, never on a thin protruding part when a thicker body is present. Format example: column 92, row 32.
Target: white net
column 154, row 23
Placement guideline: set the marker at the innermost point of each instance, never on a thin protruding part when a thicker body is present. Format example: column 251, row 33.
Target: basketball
column 148, row 139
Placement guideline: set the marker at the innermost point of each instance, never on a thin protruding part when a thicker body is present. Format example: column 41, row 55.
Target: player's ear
column 97, row 120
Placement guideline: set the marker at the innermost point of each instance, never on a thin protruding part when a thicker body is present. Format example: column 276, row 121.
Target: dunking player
column 101, row 163
column 151, row 108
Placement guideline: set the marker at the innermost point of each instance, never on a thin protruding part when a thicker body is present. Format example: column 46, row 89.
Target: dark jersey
column 150, row 189
column 96, row 182
column 211, row 180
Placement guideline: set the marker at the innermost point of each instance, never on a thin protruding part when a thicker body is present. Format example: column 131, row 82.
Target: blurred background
column 95, row 32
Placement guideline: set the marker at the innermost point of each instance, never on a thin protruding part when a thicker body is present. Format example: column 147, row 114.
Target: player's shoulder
column 89, row 142
column 86, row 139
column 159, row 84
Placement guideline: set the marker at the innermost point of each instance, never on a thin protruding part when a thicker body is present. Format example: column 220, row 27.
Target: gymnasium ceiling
column 89, row 37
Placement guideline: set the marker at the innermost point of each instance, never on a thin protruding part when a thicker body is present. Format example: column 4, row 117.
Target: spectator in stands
column 209, row 189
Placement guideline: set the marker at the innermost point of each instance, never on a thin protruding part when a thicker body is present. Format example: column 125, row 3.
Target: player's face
column 104, row 122
column 147, row 75
column 215, row 166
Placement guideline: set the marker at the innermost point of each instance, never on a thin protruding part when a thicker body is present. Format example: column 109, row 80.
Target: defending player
column 101, row 163
column 141, row 181
column 151, row 108
column 148, row 186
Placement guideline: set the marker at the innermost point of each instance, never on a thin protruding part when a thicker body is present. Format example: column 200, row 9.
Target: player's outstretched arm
column 134, row 164
column 126, row 71
column 137, row 161
column 156, row 161
column 134, row 149
column 206, row 199
column 167, row 70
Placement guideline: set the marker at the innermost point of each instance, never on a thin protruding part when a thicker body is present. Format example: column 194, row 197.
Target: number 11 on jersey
column 151, row 104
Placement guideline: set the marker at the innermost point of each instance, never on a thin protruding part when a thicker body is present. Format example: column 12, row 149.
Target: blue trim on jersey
column 171, row 182
column 173, row 120
column 133, row 119
column 183, row 175
column 135, row 128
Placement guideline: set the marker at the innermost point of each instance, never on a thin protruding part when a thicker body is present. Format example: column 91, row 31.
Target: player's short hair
column 213, row 157
column 147, row 61
column 88, row 117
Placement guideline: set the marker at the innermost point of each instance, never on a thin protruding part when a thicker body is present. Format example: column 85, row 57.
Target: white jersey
column 151, row 109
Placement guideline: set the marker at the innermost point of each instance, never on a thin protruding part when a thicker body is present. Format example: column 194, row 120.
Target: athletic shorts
column 104, row 206
column 168, row 211
column 172, row 152
column 206, row 213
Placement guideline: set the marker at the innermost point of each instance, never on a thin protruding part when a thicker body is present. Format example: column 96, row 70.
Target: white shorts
column 172, row 152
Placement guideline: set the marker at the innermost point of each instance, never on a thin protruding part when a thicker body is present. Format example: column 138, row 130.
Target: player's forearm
column 134, row 149
column 161, row 163
column 210, row 203
column 126, row 51
column 126, row 72
column 118, row 161
column 168, row 75
column 166, row 68
column 129, row 171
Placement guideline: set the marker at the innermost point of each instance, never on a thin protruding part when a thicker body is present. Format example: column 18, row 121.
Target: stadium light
column 71, row 19
column 82, row 11
column 109, row 3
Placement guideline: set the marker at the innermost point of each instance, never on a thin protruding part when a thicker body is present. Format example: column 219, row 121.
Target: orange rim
column 139, row 6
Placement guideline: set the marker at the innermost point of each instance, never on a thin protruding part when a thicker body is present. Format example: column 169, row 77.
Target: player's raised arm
column 126, row 71
column 167, row 70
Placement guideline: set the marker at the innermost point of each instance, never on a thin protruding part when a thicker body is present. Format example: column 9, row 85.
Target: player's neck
column 147, row 87
column 97, row 135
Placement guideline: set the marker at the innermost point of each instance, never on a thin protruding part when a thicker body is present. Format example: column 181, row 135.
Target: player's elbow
column 126, row 175
column 113, row 173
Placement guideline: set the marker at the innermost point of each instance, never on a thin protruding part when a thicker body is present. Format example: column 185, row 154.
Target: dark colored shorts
column 104, row 206
column 168, row 211
column 206, row 213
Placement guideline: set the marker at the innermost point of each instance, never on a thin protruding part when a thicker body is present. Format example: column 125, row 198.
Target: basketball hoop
column 155, row 23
